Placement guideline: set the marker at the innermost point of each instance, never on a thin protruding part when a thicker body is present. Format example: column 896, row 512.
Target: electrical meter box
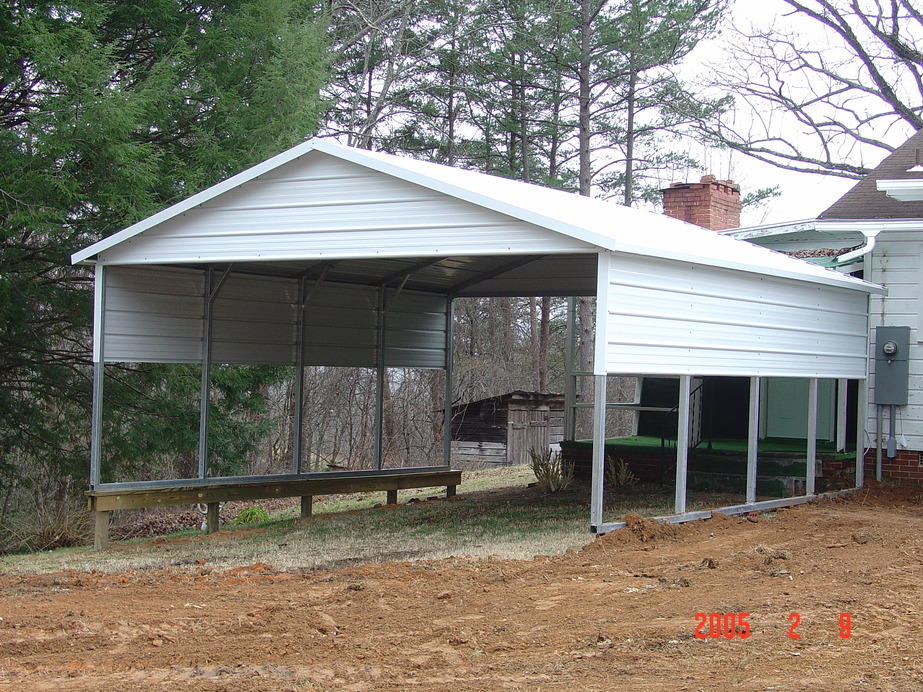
column 892, row 365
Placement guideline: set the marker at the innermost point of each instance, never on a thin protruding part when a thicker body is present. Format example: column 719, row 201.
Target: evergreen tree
column 110, row 111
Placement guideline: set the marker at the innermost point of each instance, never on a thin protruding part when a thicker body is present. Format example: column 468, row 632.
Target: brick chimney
column 710, row 203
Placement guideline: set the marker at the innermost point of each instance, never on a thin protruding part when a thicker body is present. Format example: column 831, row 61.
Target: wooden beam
column 392, row 497
column 107, row 500
column 307, row 506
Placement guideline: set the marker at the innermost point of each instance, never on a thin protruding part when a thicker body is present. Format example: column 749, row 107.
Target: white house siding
column 673, row 318
column 156, row 315
column 318, row 206
column 897, row 263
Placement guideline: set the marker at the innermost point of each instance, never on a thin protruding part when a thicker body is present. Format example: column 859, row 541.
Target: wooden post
column 211, row 517
column 450, row 490
column 101, row 531
column 307, row 506
column 392, row 497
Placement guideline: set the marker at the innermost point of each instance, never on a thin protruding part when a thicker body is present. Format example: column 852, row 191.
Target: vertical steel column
column 570, row 379
column 99, row 365
column 811, row 470
column 205, row 389
column 753, row 438
column 682, row 443
column 842, row 389
column 449, row 379
column 380, row 381
column 599, row 451
column 862, row 416
column 298, row 422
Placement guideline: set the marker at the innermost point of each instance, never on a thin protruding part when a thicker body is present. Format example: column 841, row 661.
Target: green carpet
column 639, row 442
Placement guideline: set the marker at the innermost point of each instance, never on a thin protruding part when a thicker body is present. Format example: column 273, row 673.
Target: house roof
column 584, row 223
column 865, row 201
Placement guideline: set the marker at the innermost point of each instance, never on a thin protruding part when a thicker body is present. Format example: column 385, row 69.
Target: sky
column 803, row 195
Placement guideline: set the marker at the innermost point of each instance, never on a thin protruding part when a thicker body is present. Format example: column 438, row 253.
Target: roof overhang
column 906, row 190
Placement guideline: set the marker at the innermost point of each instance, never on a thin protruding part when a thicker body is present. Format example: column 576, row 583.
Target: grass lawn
column 495, row 513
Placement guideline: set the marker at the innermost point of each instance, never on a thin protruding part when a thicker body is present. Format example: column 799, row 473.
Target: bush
column 552, row 472
column 618, row 474
column 251, row 515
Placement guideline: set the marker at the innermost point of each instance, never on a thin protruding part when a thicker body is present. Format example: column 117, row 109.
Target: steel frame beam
column 753, row 438
column 99, row 368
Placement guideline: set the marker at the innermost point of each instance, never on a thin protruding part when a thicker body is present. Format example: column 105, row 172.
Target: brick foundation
column 904, row 468
column 777, row 474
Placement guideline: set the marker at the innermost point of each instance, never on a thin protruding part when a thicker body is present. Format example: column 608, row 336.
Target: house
column 875, row 231
column 503, row 429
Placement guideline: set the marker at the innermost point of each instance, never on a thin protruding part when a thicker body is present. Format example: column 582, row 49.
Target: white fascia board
column 753, row 232
column 906, row 190
column 193, row 201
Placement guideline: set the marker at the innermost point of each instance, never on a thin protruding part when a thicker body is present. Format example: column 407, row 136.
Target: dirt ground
column 621, row 614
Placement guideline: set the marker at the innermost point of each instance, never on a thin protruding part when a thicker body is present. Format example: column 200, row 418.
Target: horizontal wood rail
column 104, row 501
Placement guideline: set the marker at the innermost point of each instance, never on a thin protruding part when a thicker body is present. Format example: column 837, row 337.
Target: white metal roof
column 591, row 223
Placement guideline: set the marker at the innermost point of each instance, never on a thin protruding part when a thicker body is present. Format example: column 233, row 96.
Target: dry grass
column 495, row 513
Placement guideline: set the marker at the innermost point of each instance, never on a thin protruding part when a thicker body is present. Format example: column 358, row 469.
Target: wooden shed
column 502, row 429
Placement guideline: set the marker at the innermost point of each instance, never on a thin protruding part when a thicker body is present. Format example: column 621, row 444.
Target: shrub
column 552, row 473
column 618, row 474
column 251, row 515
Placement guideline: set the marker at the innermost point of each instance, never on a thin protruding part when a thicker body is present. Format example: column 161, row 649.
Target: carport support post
column 599, row 451
column 298, row 425
column 811, row 469
column 380, row 381
column 96, row 421
column 682, row 443
column 205, row 391
column 753, row 438
column 570, row 379
column 862, row 416
column 449, row 380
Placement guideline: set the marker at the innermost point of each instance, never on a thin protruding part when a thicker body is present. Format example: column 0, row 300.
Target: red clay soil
column 621, row 614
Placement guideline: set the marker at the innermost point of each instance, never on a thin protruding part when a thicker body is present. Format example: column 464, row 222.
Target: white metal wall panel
column 254, row 321
column 415, row 335
column 156, row 315
column 341, row 326
column 321, row 207
column 153, row 315
column 676, row 318
column 897, row 262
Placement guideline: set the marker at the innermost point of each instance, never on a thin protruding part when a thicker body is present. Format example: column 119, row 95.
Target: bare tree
column 832, row 95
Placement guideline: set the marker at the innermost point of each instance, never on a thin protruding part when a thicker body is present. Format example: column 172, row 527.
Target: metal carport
column 328, row 255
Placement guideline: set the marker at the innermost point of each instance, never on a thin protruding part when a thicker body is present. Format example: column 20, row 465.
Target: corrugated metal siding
column 323, row 207
column 897, row 263
column 678, row 318
column 156, row 315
